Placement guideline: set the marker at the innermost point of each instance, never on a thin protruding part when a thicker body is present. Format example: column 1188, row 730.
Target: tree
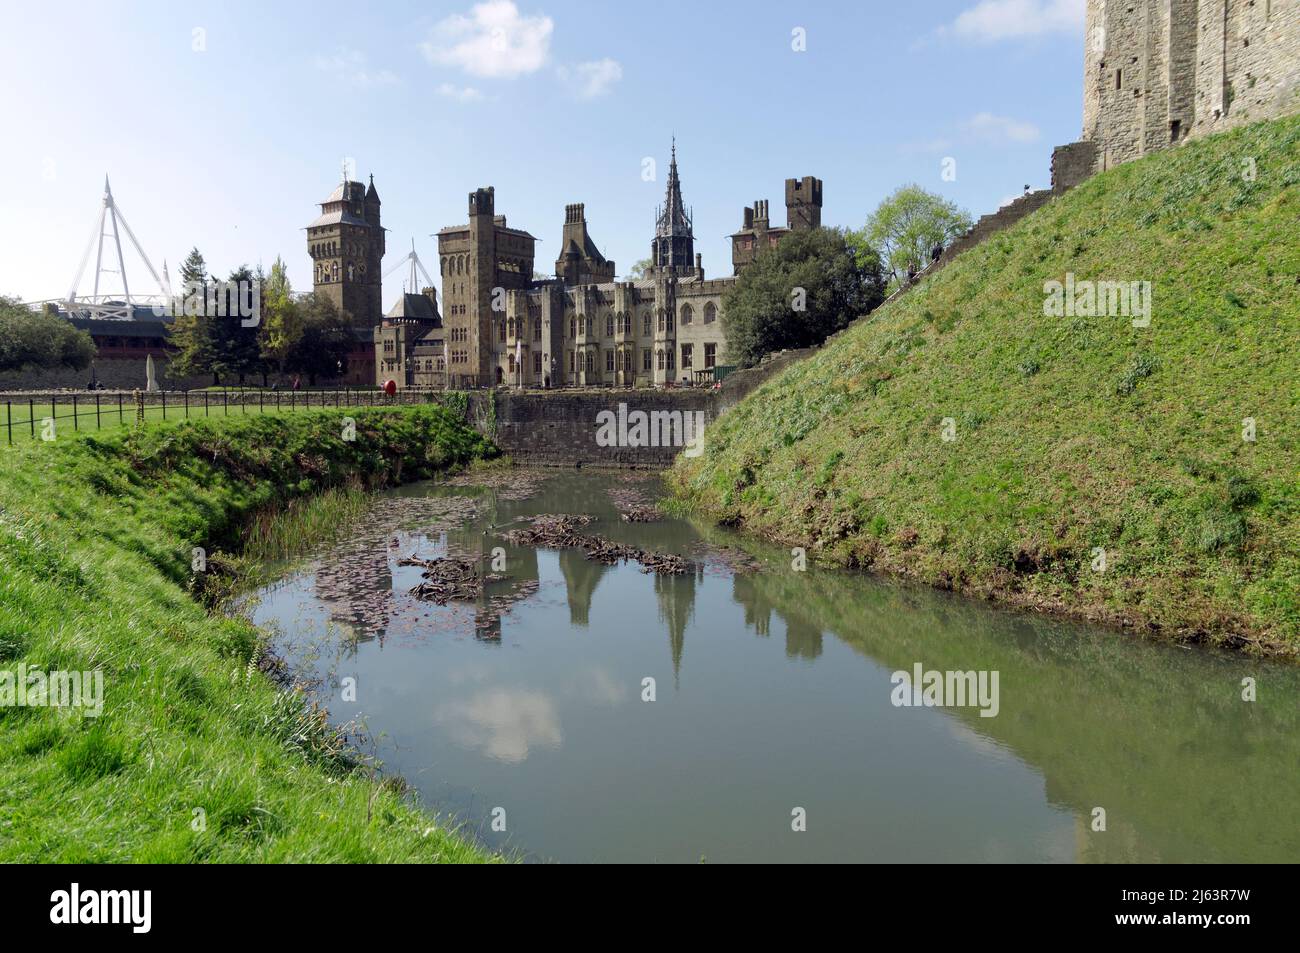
column 325, row 339
column 190, row 333
column 40, row 340
column 798, row 293
column 906, row 227
column 235, row 348
column 281, row 326
column 639, row 269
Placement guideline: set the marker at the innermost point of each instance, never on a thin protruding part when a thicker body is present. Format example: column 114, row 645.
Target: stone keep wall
column 1157, row 72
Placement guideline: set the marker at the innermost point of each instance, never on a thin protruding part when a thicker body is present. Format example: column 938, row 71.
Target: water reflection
column 530, row 694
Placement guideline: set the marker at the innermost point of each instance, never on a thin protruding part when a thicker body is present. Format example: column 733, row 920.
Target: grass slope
column 1072, row 433
column 95, row 552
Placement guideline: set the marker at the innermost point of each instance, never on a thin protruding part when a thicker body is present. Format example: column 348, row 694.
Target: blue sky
column 222, row 125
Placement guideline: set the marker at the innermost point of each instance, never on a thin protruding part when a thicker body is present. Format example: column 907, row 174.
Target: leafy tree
column 40, row 339
column 639, row 269
column 798, row 293
column 905, row 228
column 281, row 327
column 322, row 347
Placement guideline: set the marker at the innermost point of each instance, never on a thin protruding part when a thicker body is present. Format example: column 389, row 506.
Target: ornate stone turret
column 673, row 248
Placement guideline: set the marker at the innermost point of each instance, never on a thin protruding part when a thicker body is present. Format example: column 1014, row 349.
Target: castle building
column 1157, row 72
column 583, row 326
column 803, row 210
column 346, row 245
column 410, row 344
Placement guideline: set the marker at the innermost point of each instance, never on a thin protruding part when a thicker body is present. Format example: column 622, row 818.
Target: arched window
column 660, row 323
column 645, row 323
column 591, row 362
column 659, row 355
column 668, row 320
column 687, row 314
column 334, row 272
column 609, row 324
column 710, row 313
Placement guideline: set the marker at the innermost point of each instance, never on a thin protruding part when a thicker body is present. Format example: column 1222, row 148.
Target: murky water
column 772, row 702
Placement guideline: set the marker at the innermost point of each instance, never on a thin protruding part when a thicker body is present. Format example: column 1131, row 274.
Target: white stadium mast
column 106, row 306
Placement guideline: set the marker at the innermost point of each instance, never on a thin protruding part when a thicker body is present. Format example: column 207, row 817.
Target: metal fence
column 44, row 416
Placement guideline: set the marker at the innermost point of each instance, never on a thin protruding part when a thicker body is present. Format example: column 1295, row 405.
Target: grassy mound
column 1070, row 435
column 196, row 755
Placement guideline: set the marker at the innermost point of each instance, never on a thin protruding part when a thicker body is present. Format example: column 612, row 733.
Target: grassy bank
column 1073, row 434
column 197, row 755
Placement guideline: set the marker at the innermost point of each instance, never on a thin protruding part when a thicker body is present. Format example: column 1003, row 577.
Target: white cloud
column 491, row 40
column 987, row 127
column 461, row 94
column 984, row 128
column 350, row 67
column 992, row 20
column 589, row 80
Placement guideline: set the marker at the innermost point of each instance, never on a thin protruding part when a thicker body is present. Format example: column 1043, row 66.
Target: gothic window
column 572, row 330
column 670, row 356
column 687, row 314
column 668, row 321
column 537, row 362
column 646, row 358
column 334, row 272
column 661, row 320
column 537, row 329
column 591, row 362
column 710, row 356
column 609, row 327
column 609, row 360
column 687, row 356
column 710, row 313
column 645, row 326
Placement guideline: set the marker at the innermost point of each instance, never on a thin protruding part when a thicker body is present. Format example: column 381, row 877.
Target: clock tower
column 346, row 244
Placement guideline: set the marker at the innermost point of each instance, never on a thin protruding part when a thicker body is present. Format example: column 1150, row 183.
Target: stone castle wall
column 1157, row 72
column 117, row 374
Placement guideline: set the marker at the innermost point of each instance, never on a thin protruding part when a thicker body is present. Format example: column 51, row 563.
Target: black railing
column 44, row 416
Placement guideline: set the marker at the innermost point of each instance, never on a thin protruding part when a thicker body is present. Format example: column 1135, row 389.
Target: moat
column 526, row 704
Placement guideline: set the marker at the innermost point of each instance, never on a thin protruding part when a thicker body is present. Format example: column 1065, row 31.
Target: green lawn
column 197, row 755
column 1071, row 434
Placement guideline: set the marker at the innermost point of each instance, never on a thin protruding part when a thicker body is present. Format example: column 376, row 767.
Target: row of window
column 427, row 365
column 621, row 359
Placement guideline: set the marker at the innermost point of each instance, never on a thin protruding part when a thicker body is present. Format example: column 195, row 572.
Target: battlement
column 482, row 201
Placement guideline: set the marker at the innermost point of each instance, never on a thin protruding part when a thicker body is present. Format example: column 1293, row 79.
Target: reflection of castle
column 802, row 638
column 676, row 596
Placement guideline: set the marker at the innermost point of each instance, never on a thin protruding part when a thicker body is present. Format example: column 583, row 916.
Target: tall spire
column 674, row 243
